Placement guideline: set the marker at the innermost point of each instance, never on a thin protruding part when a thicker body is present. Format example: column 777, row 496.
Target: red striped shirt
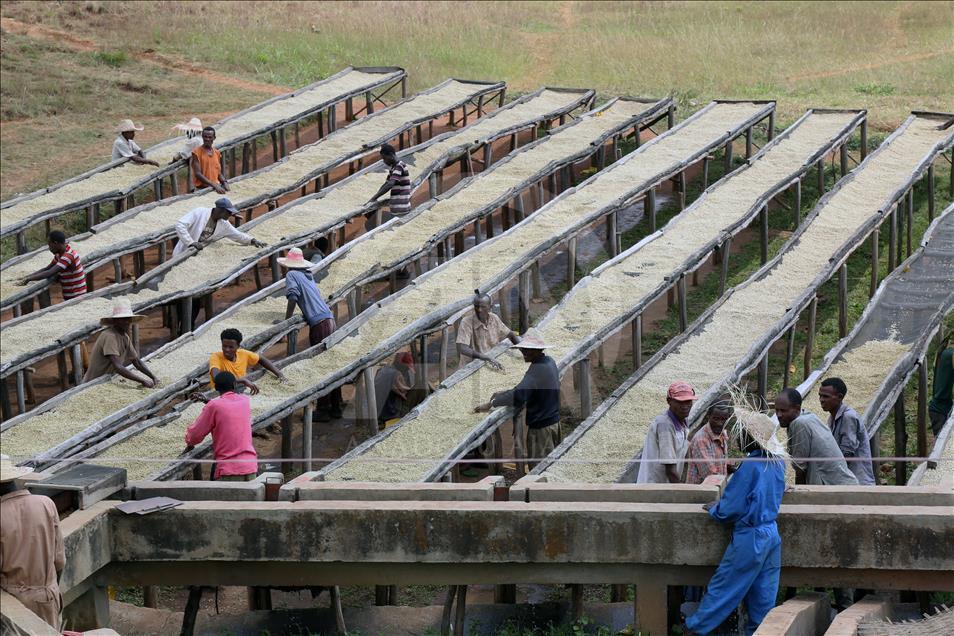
column 72, row 276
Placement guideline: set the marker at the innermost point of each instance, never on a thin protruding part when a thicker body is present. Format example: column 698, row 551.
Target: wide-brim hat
column 9, row 471
column 761, row 428
column 294, row 260
column 127, row 125
column 532, row 339
column 122, row 309
column 193, row 125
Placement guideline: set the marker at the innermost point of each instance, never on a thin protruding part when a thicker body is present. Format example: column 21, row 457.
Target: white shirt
column 666, row 444
column 123, row 147
column 189, row 229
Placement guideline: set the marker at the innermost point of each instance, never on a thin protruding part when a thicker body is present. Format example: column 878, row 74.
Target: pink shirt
column 229, row 419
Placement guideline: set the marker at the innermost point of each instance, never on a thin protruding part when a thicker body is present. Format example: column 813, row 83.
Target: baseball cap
column 681, row 391
column 226, row 204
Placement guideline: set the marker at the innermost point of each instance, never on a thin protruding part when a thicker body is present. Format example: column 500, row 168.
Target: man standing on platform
column 31, row 546
column 202, row 226
column 667, row 439
column 206, row 163
column 66, row 265
column 237, row 361
column 481, row 330
column 846, row 427
column 539, row 393
column 709, row 446
column 229, row 419
column 809, row 439
column 398, row 184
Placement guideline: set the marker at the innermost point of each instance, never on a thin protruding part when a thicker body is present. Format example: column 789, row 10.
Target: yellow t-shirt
column 243, row 360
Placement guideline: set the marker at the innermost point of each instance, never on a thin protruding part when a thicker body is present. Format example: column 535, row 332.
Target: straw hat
column 757, row 425
column 294, row 260
column 193, row 125
column 531, row 340
column 9, row 472
column 127, row 125
column 122, row 309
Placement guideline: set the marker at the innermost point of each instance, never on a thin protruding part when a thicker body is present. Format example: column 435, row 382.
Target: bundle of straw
column 748, row 419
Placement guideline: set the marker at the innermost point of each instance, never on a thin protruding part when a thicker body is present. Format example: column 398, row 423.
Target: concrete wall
column 870, row 608
column 304, row 488
column 808, row 614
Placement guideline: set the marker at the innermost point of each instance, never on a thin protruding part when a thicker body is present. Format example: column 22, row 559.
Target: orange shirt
column 210, row 165
column 243, row 360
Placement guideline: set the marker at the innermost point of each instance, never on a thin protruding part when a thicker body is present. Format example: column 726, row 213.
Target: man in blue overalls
column 750, row 567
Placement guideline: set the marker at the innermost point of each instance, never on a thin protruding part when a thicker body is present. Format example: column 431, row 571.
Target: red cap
column 681, row 392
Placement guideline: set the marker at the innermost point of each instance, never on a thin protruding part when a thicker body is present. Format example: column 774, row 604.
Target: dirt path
column 542, row 46
column 169, row 62
column 915, row 57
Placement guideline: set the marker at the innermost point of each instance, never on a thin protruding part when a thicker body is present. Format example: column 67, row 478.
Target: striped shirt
column 72, row 276
column 400, row 201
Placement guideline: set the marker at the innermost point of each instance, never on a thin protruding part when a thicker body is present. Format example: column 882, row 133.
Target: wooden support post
column 763, row 233
column 843, row 157
column 246, row 157
column 875, row 265
column 274, row 135
column 705, row 172
column 505, row 594
column 649, row 208
column 191, row 611
column 78, row 371
column 571, row 261
column 368, row 103
column 21, row 391
column 930, row 192
column 297, row 136
column 681, row 300
column 291, row 342
column 576, row 602
column 349, row 109
column 6, row 409
column 173, row 184
column 306, row 435
column 432, row 190
column 21, row 243
column 900, row 442
column 771, row 126
column 139, row 262
column 797, row 205
column 460, row 614
column 821, row 177
column 612, row 244
column 157, row 189
column 332, row 120
column 62, row 370
column 117, row 270
column 748, row 142
column 524, row 300
column 520, row 442
column 789, row 354
column 287, row 435
column 909, row 239
column 150, row 596
column 381, row 595
column 727, row 167
column 445, row 347
column 459, row 241
column 503, row 298
column 864, row 138
column 162, row 252
column 586, row 394
column 923, row 396
column 185, row 314
column 448, row 610
column 276, row 270
column 651, row 606
column 810, row 336
column 339, row 612
column 536, row 279
column 488, row 155
column 724, row 265
column 637, row 341
column 843, row 300
column 763, row 379
column 893, row 240
column 478, row 232
column 681, row 187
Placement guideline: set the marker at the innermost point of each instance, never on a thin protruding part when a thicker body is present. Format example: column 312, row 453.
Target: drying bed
column 255, row 316
column 136, row 228
column 315, row 214
column 115, row 179
column 939, row 471
column 444, row 425
column 884, row 348
column 442, row 292
column 707, row 356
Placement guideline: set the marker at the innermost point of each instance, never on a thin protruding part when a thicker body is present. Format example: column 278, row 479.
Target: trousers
column 749, row 572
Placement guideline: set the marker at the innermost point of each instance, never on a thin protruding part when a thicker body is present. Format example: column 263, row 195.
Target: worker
column 661, row 461
column 939, row 408
column 237, row 361
column 391, row 387
column 398, row 184
column 206, row 163
column 318, row 250
column 847, row 429
column 66, row 265
column 301, row 290
column 202, row 225
column 810, row 439
column 31, row 546
column 480, row 330
column 229, row 419
column 539, row 393
column 114, row 349
column 709, row 447
column 125, row 148
column 750, row 568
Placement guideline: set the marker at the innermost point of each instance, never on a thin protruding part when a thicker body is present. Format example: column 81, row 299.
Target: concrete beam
column 87, row 539
column 304, row 488
column 199, row 490
column 808, row 614
column 17, row 620
column 536, row 488
column 853, row 537
column 870, row 608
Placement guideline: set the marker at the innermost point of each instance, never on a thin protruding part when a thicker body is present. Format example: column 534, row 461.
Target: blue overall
column 751, row 564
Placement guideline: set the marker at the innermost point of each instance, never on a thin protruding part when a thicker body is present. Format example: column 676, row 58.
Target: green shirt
column 943, row 380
